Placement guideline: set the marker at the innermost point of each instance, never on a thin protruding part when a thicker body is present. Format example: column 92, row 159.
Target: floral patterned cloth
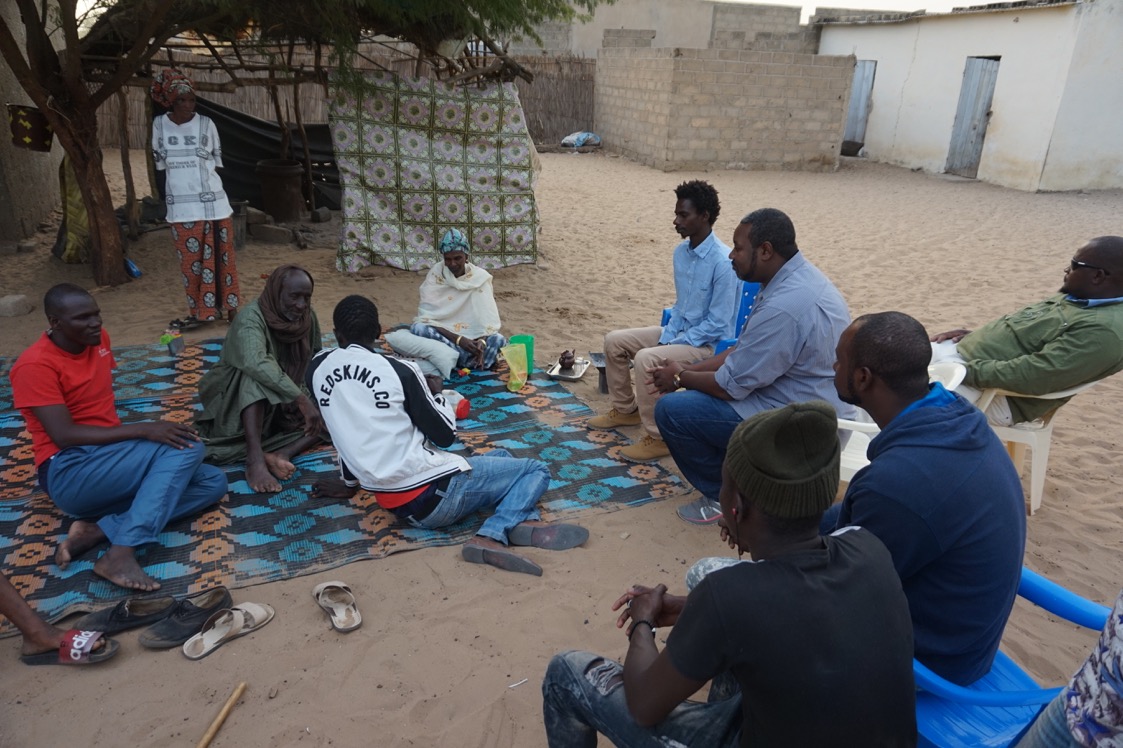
column 1094, row 696
column 417, row 156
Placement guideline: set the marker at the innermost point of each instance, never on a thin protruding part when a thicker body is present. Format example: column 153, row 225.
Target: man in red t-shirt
column 122, row 482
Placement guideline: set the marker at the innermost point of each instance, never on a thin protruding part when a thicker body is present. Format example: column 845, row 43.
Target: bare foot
column 260, row 479
column 279, row 465
column 48, row 640
column 81, row 537
column 119, row 565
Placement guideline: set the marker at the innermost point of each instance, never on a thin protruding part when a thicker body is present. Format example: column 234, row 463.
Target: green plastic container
column 526, row 341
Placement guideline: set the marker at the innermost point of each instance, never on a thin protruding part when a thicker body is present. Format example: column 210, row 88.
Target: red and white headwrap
column 169, row 84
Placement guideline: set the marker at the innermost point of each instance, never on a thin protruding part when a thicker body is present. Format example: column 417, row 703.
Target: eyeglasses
column 1075, row 264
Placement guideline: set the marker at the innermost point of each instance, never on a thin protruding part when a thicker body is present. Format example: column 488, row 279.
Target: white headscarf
column 464, row 305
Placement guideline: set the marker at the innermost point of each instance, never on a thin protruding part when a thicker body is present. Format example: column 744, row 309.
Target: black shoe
column 186, row 619
column 128, row 614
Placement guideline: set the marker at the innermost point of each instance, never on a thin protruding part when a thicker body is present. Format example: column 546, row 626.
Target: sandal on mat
column 188, row 323
column 226, row 625
column 339, row 603
column 76, row 648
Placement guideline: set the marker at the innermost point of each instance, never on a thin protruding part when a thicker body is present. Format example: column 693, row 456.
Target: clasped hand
column 661, row 378
column 476, row 348
column 641, row 603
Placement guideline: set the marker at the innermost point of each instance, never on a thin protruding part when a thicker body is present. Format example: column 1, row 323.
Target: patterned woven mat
column 254, row 538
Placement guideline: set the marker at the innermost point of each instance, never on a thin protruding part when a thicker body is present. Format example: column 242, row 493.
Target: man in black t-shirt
column 815, row 630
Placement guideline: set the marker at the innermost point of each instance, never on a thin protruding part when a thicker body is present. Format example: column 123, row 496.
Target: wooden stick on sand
column 213, row 729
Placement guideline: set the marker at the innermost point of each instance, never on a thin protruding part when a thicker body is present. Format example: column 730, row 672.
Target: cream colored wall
column 919, row 73
column 677, row 23
column 1087, row 147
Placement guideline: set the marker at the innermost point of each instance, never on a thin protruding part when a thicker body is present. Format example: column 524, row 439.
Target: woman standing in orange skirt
column 186, row 148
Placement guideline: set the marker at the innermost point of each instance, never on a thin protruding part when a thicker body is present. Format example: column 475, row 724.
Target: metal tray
column 580, row 366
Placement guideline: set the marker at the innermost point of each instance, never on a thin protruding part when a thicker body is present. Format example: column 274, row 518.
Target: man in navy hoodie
column 940, row 492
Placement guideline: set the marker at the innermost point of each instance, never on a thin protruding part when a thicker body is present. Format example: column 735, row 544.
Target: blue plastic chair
column 744, row 309
column 994, row 710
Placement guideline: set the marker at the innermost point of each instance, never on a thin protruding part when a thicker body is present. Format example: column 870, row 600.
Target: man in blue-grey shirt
column 785, row 354
column 705, row 306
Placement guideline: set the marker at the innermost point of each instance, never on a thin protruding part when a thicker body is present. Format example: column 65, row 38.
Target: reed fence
column 560, row 100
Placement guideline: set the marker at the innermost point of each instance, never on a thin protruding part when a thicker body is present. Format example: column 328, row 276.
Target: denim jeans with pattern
column 583, row 694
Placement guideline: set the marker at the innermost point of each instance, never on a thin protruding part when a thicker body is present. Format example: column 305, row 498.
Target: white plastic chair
column 1037, row 435
column 863, row 429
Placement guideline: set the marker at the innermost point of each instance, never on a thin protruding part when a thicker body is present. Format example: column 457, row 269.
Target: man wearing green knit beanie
column 810, row 643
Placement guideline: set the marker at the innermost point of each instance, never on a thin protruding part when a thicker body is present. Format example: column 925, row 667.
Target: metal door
column 860, row 91
column 972, row 116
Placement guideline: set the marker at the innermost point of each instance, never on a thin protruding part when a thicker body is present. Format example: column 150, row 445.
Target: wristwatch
column 678, row 380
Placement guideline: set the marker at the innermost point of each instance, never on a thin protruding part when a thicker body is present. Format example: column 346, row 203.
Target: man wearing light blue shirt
column 785, row 354
column 706, row 295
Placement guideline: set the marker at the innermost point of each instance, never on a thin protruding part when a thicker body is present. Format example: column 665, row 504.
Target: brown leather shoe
column 613, row 419
column 647, row 449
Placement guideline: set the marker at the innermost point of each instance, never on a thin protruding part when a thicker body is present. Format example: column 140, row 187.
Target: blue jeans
column 1050, row 728
column 696, row 428
column 134, row 488
column 583, row 694
column 492, row 344
column 512, row 485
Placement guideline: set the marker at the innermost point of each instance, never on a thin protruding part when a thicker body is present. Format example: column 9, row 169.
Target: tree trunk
column 77, row 133
column 132, row 207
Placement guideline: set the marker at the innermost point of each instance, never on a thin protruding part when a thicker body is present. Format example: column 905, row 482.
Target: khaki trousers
column 641, row 346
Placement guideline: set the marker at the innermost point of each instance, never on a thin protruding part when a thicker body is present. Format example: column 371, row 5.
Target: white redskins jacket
column 383, row 420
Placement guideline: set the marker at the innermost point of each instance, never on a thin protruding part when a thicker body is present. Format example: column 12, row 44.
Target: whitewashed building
column 1026, row 95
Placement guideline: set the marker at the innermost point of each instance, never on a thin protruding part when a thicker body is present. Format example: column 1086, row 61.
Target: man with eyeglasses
column 1064, row 341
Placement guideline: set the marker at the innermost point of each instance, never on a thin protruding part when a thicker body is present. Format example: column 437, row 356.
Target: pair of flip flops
column 76, row 648
column 337, row 600
column 225, row 625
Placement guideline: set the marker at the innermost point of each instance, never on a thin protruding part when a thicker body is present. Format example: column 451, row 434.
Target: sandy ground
column 452, row 654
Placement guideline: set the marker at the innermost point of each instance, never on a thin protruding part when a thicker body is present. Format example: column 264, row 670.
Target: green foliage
column 424, row 23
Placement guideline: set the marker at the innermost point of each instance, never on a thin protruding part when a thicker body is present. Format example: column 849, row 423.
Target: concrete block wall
column 755, row 19
column 724, row 109
column 764, row 28
column 627, row 38
column 805, row 41
column 823, row 13
column 633, row 102
column 556, row 40
column 758, row 110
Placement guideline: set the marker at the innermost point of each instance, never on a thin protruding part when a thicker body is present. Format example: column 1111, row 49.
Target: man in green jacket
column 255, row 407
column 1069, row 339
